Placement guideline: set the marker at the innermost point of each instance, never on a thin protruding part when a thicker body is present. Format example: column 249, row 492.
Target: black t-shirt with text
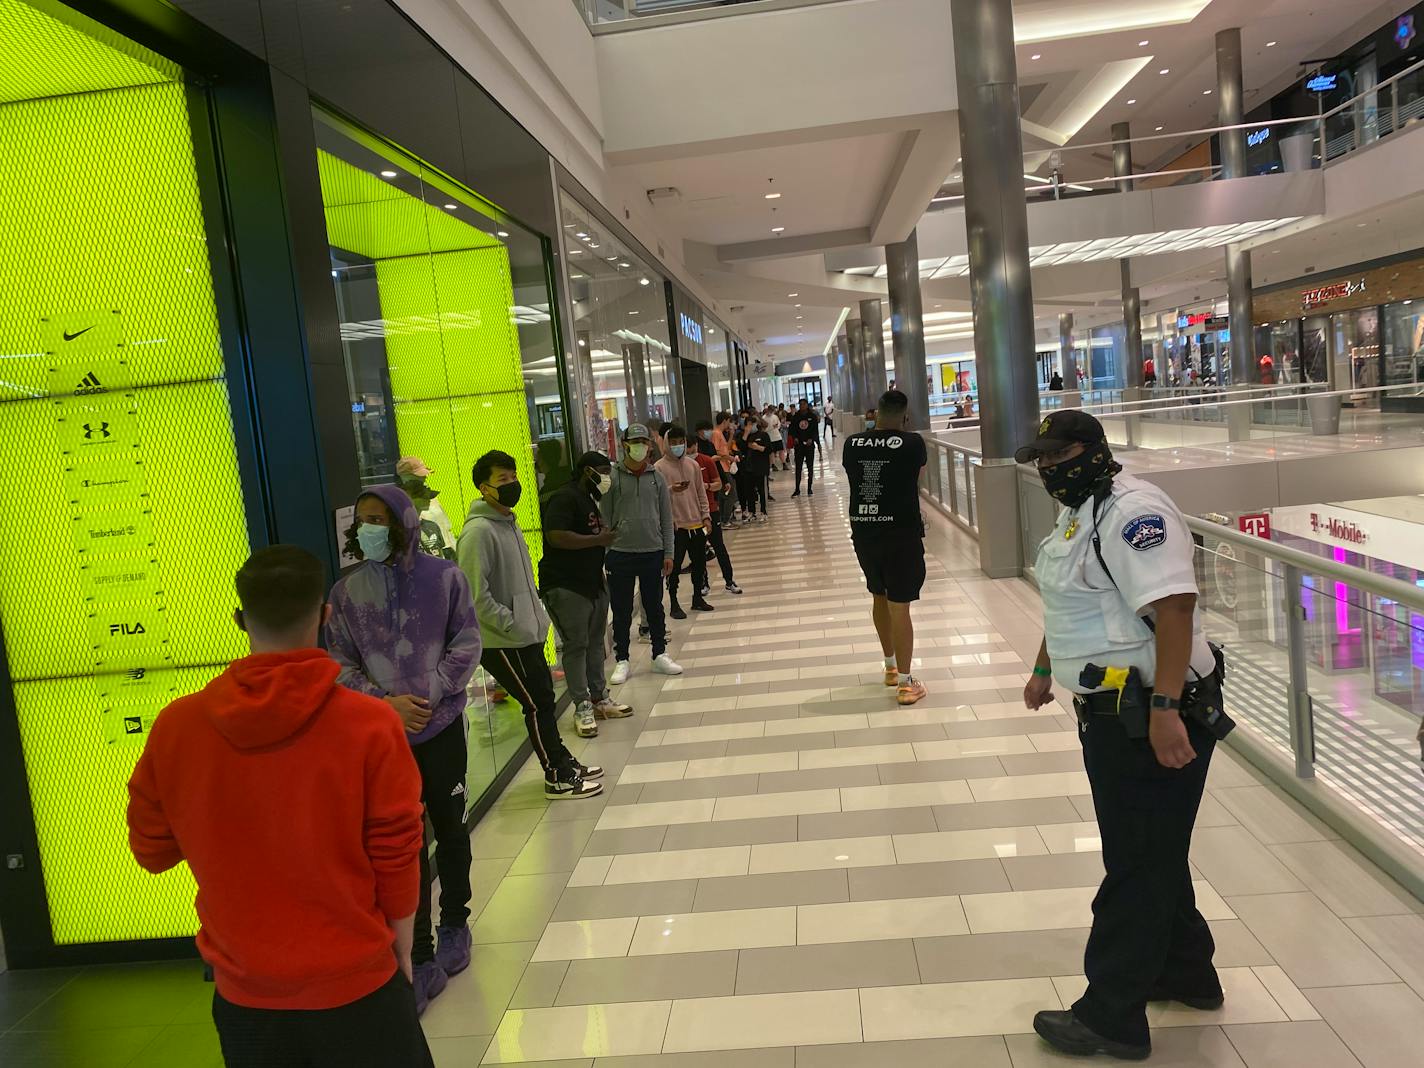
column 805, row 428
column 572, row 508
column 884, row 471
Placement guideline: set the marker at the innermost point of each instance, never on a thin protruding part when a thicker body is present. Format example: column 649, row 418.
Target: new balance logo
column 89, row 385
column 135, row 674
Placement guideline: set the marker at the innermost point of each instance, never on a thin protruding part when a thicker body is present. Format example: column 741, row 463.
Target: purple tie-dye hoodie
column 407, row 627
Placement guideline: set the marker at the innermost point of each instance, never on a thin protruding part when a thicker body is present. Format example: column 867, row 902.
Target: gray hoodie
column 495, row 558
column 639, row 509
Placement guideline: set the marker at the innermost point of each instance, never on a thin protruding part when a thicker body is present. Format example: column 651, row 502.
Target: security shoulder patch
column 1145, row 532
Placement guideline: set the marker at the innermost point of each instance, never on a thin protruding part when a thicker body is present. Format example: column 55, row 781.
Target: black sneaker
column 676, row 612
column 810, row 493
column 570, row 784
column 700, row 605
column 705, row 591
column 796, row 494
column 732, row 587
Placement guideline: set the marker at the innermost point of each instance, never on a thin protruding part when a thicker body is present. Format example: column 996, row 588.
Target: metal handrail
column 1395, row 590
column 1256, row 400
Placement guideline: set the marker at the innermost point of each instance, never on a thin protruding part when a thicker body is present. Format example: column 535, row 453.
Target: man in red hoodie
column 296, row 803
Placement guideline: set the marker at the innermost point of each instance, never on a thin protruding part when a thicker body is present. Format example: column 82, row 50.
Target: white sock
column 906, row 677
column 889, row 662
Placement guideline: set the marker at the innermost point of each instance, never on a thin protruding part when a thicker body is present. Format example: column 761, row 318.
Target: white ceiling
column 1091, row 61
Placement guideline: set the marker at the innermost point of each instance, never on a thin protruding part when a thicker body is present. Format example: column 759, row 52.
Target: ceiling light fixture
column 1206, row 92
column 388, row 174
column 1270, row 44
column 1165, row 70
column 778, row 229
column 449, row 207
column 624, row 263
column 773, row 196
column 1143, row 44
column 1159, row 129
column 644, row 282
column 502, row 233
column 1036, row 55
column 1133, row 100
column 793, row 294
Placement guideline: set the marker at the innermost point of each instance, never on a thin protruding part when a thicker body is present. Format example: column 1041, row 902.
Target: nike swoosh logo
column 70, row 337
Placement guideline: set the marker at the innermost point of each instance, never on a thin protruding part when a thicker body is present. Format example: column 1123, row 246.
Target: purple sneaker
column 430, row 980
column 452, row 950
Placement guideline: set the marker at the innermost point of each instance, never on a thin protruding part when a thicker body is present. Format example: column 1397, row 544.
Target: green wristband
column 1043, row 672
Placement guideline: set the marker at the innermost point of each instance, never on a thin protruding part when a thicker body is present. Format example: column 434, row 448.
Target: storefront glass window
column 1357, row 349
column 1404, row 343
column 450, row 352
column 1285, row 351
column 620, row 329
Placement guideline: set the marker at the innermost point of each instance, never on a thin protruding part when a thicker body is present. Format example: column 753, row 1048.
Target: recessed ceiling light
column 798, row 305
column 632, row 313
column 1036, row 55
column 624, row 263
column 1270, row 44
column 793, row 294
column 1133, row 100
column 644, row 282
column 1206, row 92
column 800, row 317
column 1165, row 70
column 1159, row 129
column 388, row 174
column 593, row 244
column 449, row 207
column 777, row 229
column 773, row 196
column 1143, row 44
column 583, row 342
column 581, row 234
column 502, row 233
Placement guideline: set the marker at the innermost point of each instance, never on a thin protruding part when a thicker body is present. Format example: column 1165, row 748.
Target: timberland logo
column 1339, row 529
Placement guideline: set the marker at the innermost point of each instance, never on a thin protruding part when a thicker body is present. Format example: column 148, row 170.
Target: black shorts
column 893, row 562
column 778, row 446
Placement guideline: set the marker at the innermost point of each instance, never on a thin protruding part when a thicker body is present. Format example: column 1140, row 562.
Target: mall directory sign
column 121, row 511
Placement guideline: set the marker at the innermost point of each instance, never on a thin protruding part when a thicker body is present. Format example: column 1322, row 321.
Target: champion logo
column 89, row 385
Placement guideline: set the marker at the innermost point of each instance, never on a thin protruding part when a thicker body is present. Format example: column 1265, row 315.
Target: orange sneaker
column 910, row 691
column 892, row 676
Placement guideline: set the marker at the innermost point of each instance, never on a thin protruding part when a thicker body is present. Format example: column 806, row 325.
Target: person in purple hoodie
column 403, row 628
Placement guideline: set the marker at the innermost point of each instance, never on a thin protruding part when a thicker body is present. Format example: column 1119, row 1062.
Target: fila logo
column 102, row 430
column 127, row 630
column 89, row 385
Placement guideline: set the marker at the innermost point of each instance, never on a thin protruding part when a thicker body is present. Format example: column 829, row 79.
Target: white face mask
column 605, row 483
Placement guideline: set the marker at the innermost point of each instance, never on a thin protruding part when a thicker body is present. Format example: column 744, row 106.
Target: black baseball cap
column 1058, row 430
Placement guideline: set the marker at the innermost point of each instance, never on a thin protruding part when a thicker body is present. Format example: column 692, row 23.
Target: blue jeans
column 646, row 570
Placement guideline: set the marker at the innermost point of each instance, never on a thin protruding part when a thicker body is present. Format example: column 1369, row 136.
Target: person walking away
column 1055, row 384
column 806, row 436
column 1120, row 610
column 716, row 488
column 575, row 594
column 296, row 804
column 495, row 557
column 403, row 629
column 828, row 423
column 774, row 430
column 638, row 508
column 883, row 466
column 757, row 445
column 691, row 520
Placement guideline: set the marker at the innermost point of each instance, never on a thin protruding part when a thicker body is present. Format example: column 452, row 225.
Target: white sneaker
column 664, row 665
column 584, row 723
column 620, row 674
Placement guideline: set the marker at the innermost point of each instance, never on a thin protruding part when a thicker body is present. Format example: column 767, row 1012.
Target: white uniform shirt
column 1148, row 549
column 773, row 427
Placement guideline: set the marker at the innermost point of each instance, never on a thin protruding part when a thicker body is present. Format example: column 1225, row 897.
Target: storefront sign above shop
column 1346, row 530
column 1323, row 83
column 1257, row 524
column 1314, row 298
column 1202, row 321
column 691, row 328
column 1390, row 533
column 1258, row 137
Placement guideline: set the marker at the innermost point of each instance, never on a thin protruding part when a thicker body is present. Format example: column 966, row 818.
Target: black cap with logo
column 1058, row 430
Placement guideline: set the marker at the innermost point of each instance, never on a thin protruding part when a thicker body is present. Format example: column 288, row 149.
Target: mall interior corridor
column 787, row 869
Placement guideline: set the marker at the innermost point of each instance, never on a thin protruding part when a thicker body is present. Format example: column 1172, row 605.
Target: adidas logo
column 89, row 385
column 459, row 790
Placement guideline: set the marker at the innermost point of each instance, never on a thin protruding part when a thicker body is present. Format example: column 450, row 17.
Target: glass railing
column 1325, row 676
column 948, row 480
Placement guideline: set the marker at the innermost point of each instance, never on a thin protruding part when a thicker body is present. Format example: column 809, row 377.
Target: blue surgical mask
column 870, row 424
column 375, row 541
column 705, row 435
column 677, row 451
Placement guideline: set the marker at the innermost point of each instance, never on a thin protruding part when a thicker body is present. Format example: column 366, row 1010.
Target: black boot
column 700, row 605
column 1068, row 1034
column 676, row 611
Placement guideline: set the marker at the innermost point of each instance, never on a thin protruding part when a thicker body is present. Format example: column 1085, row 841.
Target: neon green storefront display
column 451, row 344
column 121, row 511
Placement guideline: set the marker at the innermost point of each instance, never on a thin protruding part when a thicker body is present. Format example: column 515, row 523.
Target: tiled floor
column 789, row 871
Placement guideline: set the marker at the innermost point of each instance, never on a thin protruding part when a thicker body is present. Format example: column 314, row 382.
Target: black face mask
column 509, row 493
column 1073, row 481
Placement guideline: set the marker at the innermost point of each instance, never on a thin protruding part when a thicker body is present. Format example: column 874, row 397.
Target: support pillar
column 1229, row 103
column 855, row 367
column 907, row 327
column 872, row 325
column 1241, row 315
column 1132, row 329
column 996, row 223
column 1122, row 156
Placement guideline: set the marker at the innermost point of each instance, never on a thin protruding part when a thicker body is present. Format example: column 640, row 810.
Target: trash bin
column 1297, row 150
column 1324, row 414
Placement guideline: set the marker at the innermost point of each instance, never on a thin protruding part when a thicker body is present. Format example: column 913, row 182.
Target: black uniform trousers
column 807, row 457
column 1147, row 934
column 719, row 547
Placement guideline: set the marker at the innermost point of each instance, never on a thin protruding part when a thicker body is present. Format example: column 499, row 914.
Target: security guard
column 1122, row 633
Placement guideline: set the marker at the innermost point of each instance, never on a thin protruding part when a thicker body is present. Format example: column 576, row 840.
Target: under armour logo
column 90, row 430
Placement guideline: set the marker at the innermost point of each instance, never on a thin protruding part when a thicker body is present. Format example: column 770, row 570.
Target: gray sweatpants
column 582, row 625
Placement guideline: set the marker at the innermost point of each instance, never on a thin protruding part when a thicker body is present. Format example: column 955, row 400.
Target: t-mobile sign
column 1255, row 523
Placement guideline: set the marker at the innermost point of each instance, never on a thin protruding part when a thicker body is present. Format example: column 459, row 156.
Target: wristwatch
column 1160, row 701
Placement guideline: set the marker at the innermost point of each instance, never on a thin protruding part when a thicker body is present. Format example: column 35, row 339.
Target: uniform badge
column 1072, row 529
column 1145, row 532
